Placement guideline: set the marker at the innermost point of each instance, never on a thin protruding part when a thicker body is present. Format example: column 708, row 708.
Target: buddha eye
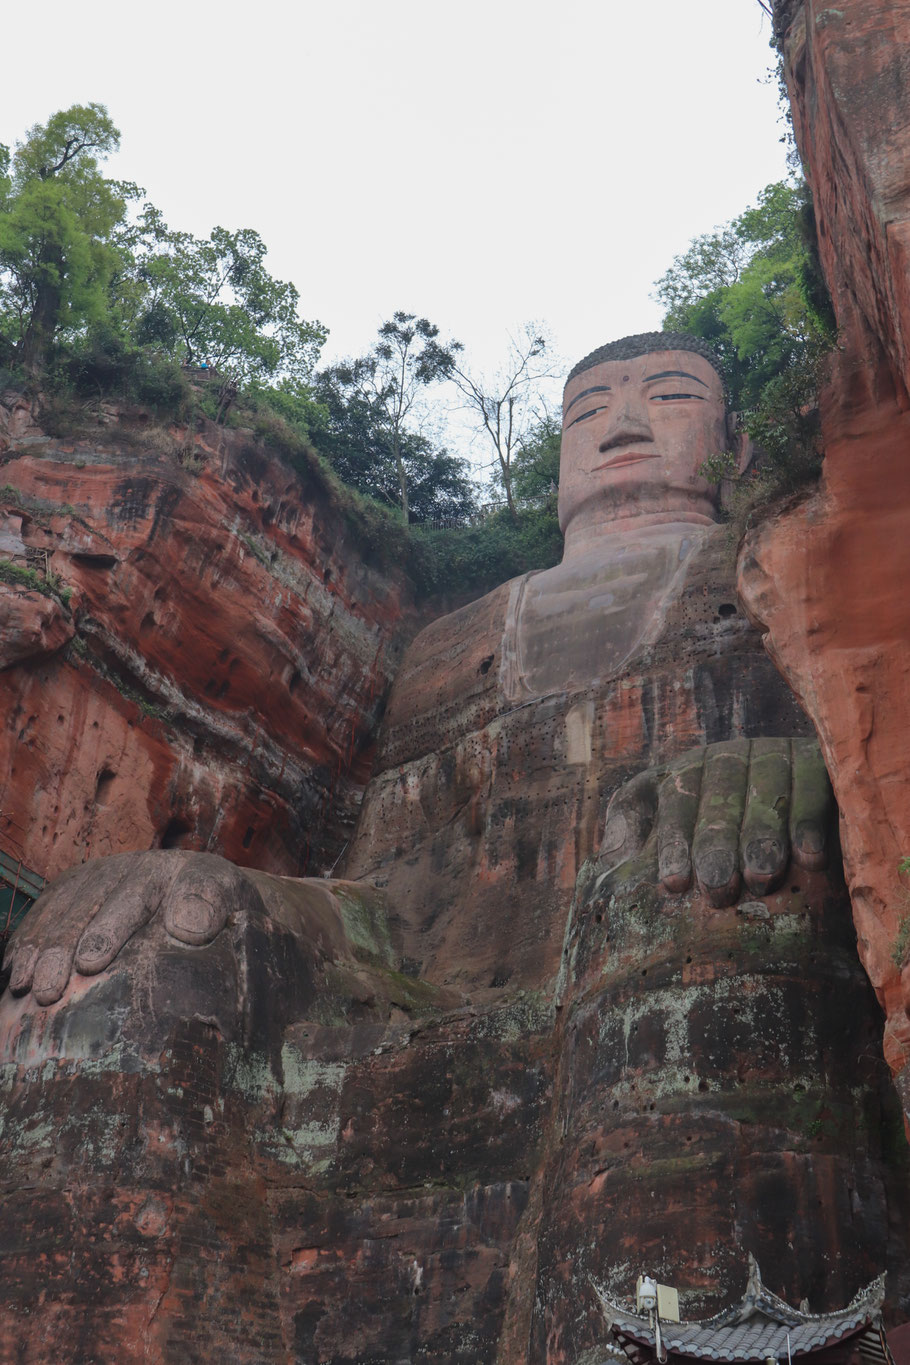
column 585, row 415
column 670, row 397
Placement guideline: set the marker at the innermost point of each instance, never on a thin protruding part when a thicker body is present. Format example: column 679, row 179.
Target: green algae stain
column 365, row 923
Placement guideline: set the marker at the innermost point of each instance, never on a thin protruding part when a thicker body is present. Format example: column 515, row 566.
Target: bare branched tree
column 503, row 405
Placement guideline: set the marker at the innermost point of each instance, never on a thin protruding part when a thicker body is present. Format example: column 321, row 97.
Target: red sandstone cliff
column 214, row 679
column 828, row 581
column 418, row 1183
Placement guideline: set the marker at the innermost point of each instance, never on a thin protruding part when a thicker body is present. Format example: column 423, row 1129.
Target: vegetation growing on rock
column 754, row 290
column 100, row 298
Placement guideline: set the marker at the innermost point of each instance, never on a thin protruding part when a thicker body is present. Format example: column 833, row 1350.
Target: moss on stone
column 365, row 924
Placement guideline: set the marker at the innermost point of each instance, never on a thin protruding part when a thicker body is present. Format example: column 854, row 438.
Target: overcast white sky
column 481, row 163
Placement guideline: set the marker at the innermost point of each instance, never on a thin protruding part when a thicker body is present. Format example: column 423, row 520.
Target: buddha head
column 640, row 418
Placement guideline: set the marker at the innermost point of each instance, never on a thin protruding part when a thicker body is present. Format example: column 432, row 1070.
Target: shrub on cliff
column 103, row 362
column 754, row 290
column 472, row 560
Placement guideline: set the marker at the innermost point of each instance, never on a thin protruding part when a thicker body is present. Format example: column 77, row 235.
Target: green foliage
column 72, row 264
column 474, row 559
column 211, row 300
column 815, row 1127
column 901, row 949
column 103, row 362
column 59, row 217
column 754, row 290
column 535, row 468
column 784, row 422
column 18, row 576
column 293, row 400
column 67, row 143
column 718, row 467
column 255, row 549
column 374, row 452
column 374, row 398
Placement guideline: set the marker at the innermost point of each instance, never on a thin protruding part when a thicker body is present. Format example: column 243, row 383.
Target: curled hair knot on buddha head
column 643, row 343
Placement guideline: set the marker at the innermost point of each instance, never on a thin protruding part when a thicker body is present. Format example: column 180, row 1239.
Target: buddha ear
column 739, row 442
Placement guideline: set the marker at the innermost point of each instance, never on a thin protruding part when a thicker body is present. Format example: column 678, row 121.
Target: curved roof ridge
column 757, row 1297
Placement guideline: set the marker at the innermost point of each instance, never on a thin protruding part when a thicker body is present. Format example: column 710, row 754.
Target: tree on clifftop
column 389, row 380
column 58, row 222
column 506, row 407
column 356, row 441
column 212, row 300
column 82, row 278
column 755, row 291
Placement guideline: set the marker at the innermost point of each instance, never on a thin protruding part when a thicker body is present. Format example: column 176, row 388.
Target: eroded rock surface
column 586, row 995
column 481, row 812
column 828, row 580
column 231, row 651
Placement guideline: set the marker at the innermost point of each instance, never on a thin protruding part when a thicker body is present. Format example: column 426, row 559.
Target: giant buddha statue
column 585, row 1002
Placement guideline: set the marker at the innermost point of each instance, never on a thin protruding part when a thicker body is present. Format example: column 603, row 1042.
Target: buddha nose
column 628, row 424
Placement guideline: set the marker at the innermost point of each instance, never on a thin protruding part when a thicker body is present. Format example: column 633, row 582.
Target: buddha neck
column 585, row 533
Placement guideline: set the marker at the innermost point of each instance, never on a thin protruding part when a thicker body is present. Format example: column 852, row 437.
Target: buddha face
column 635, row 435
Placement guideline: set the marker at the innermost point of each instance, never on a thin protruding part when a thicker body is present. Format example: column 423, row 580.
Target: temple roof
column 755, row 1328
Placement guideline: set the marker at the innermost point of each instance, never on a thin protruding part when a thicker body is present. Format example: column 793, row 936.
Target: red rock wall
column 480, row 813
column 279, row 1148
column 828, row 581
column 215, row 680
column 382, row 1179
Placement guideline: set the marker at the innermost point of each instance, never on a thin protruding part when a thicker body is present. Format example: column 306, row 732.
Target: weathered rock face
column 228, row 651
column 586, row 996
column 276, row 1145
column 718, row 1086
column 481, row 811
column 279, row 1148
column 827, row 581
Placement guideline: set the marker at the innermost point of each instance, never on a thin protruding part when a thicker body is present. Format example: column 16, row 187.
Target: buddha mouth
column 625, row 457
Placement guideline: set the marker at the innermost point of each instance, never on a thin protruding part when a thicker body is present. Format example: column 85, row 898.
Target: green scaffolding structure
column 19, row 889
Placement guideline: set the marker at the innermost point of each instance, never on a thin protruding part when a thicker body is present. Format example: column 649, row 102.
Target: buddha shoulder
column 448, row 683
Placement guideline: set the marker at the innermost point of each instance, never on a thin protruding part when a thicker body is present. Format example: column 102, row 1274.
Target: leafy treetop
column 59, row 221
column 213, row 300
column 753, row 289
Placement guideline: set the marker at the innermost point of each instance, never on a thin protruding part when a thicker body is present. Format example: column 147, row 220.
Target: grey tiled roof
column 753, row 1340
column 753, row 1329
